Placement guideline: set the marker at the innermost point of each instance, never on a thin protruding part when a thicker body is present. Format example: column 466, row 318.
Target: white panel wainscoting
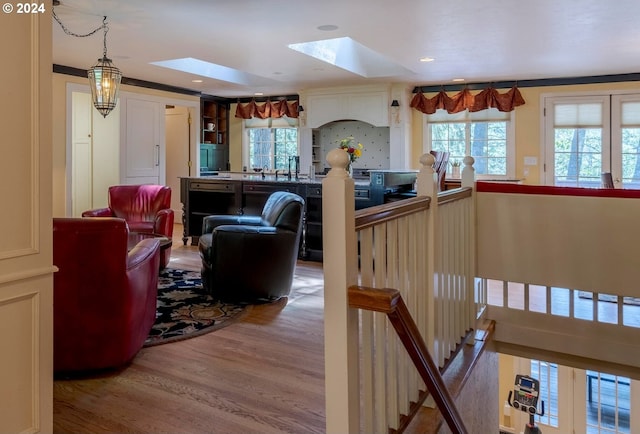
column 26, row 271
column 19, row 376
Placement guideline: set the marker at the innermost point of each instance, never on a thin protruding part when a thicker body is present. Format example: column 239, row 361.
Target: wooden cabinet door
column 144, row 142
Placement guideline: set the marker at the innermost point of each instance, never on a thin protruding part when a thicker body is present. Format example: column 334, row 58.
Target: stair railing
column 389, row 302
column 370, row 382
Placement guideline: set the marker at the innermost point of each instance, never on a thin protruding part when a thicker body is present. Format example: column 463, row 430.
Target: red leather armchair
column 104, row 296
column 146, row 208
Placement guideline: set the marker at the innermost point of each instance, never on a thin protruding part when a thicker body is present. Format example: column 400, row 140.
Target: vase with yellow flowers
column 353, row 150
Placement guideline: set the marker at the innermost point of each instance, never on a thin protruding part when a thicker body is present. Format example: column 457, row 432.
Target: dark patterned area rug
column 185, row 310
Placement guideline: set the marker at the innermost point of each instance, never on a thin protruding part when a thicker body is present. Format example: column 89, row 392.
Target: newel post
column 468, row 172
column 340, row 266
column 428, row 186
column 427, row 180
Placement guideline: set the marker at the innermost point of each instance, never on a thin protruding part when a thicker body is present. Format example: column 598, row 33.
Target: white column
column 340, row 322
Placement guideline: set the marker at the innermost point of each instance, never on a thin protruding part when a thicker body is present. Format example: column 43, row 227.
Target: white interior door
column 81, row 154
column 143, row 145
column 603, row 403
column 178, row 136
column 95, row 148
column 579, row 401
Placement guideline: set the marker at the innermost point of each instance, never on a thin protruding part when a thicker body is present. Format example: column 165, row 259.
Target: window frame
column 612, row 130
column 271, row 124
column 469, row 118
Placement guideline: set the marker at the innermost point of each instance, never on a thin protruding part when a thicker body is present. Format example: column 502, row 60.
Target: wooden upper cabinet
column 214, row 135
column 215, row 122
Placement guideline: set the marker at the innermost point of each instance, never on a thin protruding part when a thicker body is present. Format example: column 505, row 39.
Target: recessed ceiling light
column 258, row 94
column 327, row 27
column 196, row 81
column 458, row 79
column 427, row 59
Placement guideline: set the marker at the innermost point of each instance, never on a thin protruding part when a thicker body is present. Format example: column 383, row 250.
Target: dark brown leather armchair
column 146, row 208
column 252, row 258
column 104, row 296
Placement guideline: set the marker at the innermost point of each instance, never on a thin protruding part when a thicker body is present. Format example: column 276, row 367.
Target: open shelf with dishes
column 214, row 140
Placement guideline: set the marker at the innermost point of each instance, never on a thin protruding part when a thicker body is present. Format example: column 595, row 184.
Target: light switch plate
column 530, row 161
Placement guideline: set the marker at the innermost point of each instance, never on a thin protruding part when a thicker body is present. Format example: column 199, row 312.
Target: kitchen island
column 246, row 193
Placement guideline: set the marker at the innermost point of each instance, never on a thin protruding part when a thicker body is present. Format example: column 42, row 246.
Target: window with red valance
column 465, row 100
column 267, row 109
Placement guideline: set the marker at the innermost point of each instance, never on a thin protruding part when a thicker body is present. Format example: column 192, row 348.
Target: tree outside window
column 271, row 148
column 486, row 142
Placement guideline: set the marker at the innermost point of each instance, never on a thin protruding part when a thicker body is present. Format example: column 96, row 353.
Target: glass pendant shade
column 104, row 80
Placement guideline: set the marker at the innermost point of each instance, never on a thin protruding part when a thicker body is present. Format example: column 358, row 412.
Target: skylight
column 212, row 70
column 352, row 56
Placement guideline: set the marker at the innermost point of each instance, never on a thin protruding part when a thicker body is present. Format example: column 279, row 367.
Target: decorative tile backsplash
column 375, row 140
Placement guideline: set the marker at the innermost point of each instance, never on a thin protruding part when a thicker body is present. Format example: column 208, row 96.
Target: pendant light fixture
column 104, row 77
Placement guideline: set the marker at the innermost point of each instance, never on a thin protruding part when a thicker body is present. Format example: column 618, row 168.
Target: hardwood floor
column 263, row 374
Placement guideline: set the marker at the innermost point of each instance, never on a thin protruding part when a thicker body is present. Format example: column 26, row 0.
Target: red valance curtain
column 268, row 109
column 464, row 100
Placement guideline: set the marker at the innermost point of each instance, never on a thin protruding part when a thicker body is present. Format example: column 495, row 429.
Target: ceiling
column 474, row 40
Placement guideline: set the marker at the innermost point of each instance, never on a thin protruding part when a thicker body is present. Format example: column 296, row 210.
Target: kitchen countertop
column 270, row 178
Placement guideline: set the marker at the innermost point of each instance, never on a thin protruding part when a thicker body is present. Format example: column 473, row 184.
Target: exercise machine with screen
column 525, row 394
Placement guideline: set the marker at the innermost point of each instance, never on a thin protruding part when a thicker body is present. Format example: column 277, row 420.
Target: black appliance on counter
column 391, row 185
column 357, row 174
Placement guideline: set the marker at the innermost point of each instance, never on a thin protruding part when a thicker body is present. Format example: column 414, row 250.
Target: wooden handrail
column 389, row 301
column 453, row 195
column 390, row 211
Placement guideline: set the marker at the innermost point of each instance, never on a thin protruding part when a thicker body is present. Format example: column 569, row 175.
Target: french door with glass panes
column 579, row 401
column 588, row 135
column 555, row 392
column 607, row 404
